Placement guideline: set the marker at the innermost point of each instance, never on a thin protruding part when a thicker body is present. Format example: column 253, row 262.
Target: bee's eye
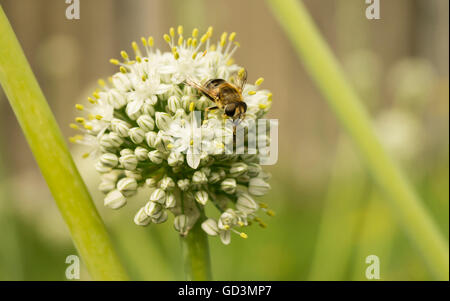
column 230, row 109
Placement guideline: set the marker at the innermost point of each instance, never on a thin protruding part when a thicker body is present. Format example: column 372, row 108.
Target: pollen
column 191, row 106
column 172, row 31
column 166, row 38
column 123, row 69
column 79, row 107
column 232, row 36
column 195, row 32
column 144, row 41
column 243, row 235
column 180, row 41
column 98, row 117
column 95, row 94
column 88, row 127
column 151, row 41
column 269, row 96
column 262, row 106
column 251, row 92
column 92, row 101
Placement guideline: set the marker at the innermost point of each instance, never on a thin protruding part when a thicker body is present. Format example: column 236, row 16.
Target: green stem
column 325, row 70
column 196, row 254
column 53, row 157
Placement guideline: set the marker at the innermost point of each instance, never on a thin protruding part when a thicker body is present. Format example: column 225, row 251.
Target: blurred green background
column 330, row 215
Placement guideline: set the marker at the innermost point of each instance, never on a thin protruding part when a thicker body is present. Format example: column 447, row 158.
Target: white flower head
column 147, row 127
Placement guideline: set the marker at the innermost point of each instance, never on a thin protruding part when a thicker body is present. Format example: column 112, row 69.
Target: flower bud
column 210, row 227
column 146, row 123
column 126, row 151
column 258, row 187
column 135, row 174
column 141, row 153
column 214, row 178
column 201, row 197
column 228, row 185
column 173, row 104
column 166, row 183
column 254, row 169
column 163, row 121
column 153, row 209
column 206, row 171
column 158, row 196
column 148, row 109
column 129, row 162
column 127, row 184
column 151, row 182
column 162, row 142
column 170, row 200
column 246, row 204
column 106, row 186
column 150, row 138
column 137, row 135
column 180, row 224
column 141, row 218
column 102, row 168
column 183, row 184
column 175, row 159
column 109, row 160
column 111, row 140
column 225, row 237
column 160, row 219
column 238, row 169
column 156, row 156
column 120, row 127
column 115, row 199
column 199, row 178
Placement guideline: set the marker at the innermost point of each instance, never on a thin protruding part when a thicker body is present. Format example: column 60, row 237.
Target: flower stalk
column 53, row 157
column 326, row 72
column 197, row 264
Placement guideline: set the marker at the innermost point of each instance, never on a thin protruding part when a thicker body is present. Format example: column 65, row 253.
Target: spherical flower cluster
column 144, row 128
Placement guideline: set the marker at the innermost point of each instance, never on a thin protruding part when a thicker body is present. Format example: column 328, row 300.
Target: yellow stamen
column 241, row 224
column 79, row 107
column 230, row 62
column 85, row 155
column 96, row 95
column 122, row 69
column 172, row 31
column 124, row 54
column 243, row 235
column 166, row 38
column 263, row 225
column 92, row 101
column 270, row 212
column 259, row 81
column 180, row 29
column 176, row 55
column 263, row 205
column 204, row 38
column 232, row 36
column 191, row 106
column 138, row 59
column 74, row 126
column 170, row 146
column 114, row 61
column 209, row 32
column 204, row 52
column 262, row 106
column 135, row 47
column 269, row 96
column 79, row 120
column 189, row 42
column 241, row 72
column 226, row 227
column 144, row 41
column 180, row 41
column 223, row 39
column 101, row 82
column 88, row 127
column 98, row 117
column 212, row 47
column 195, row 32
column 194, row 55
column 151, row 42
column 91, row 117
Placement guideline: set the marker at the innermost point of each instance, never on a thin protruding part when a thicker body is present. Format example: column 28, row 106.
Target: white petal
column 192, row 159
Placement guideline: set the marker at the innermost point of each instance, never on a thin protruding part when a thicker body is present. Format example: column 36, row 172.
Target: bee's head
column 236, row 110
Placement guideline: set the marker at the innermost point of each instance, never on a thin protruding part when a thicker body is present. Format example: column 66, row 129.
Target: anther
column 259, row 81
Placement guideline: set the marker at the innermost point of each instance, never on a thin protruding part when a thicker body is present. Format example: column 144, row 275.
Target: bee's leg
column 207, row 110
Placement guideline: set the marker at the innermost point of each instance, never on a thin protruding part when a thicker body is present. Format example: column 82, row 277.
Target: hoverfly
column 225, row 95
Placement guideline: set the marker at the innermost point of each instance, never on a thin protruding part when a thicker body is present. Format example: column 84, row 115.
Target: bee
column 225, row 95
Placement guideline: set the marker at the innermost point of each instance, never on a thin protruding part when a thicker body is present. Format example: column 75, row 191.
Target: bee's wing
column 241, row 79
column 199, row 87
